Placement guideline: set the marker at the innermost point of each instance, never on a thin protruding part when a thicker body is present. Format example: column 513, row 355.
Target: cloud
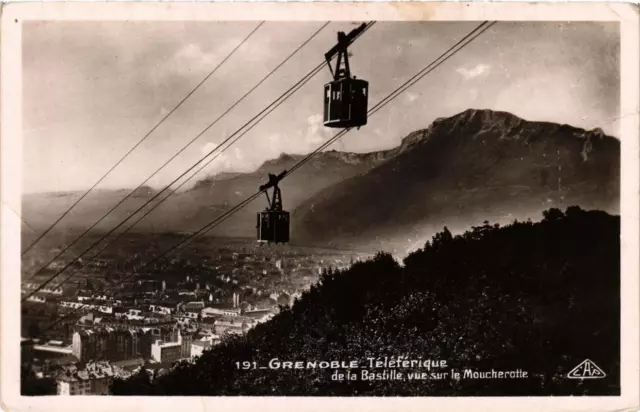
column 474, row 71
column 229, row 160
column 239, row 155
column 218, row 161
column 410, row 97
column 191, row 58
column 193, row 53
column 301, row 141
column 317, row 133
column 208, row 147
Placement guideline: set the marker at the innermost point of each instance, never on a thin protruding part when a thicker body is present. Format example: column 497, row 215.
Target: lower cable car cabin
column 273, row 222
column 345, row 103
column 273, row 226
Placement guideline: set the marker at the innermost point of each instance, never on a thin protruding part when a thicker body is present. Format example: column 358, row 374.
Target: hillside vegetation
column 539, row 297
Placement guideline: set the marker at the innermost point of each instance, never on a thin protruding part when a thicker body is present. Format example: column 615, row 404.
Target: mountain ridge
column 451, row 154
column 464, row 169
column 409, row 140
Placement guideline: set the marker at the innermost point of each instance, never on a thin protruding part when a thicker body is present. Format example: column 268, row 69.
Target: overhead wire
column 175, row 190
column 410, row 82
column 149, row 201
column 96, row 223
column 484, row 26
column 268, row 109
column 89, row 229
column 288, row 94
column 134, row 147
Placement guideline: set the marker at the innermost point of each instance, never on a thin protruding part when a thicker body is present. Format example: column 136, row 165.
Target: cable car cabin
column 345, row 103
column 273, row 222
column 273, row 226
column 345, row 98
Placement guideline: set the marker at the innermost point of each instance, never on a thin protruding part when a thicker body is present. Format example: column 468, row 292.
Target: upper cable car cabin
column 345, row 103
column 345, row 98
column 273, row 223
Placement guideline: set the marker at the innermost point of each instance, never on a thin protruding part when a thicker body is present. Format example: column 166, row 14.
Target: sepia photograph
column 259, row 205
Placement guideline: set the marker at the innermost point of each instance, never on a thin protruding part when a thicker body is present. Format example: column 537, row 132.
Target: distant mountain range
column 475, row 166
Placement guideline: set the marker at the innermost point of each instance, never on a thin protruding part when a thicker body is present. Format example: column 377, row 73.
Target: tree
column 442, row 238
column 574, row 211
column 137, row 383
column 552, row 214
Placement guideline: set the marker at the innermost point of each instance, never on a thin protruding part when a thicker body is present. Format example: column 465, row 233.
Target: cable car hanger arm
column 275, row 203
column 344, row 41
column 273, row 180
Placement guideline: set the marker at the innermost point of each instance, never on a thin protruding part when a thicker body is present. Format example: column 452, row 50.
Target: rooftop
column 56, row 349
column 204, row 343
column 166, row 344
column 257, row 313
column 65, row 360
column 128, row 363
column 159, row 365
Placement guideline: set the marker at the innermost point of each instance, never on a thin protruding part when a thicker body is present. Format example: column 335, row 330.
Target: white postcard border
column 11, row 177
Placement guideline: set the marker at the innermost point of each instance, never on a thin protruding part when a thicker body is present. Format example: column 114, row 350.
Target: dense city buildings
column 171, row 313
column 93, row 379
column 166, row 351
column 111, row 344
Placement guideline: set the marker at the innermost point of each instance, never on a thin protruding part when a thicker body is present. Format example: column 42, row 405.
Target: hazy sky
column 92, row 90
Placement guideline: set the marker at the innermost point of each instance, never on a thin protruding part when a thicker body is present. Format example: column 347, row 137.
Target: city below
column 109, row 320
